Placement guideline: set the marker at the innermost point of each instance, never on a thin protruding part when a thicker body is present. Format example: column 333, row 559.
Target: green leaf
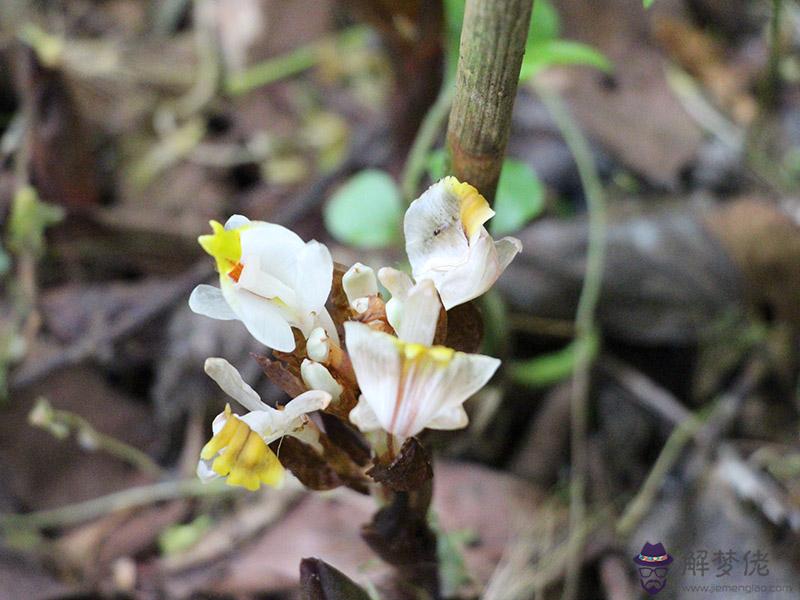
column 548, row 369
column 648, row 3
column 519, row 198
column 437, row 164
column 552, row 53
column 545, row 23
column 366, row 211
column 29, row 218
column 5, row 262
column 178, row 538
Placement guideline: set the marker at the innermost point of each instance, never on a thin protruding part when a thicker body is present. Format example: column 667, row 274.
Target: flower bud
column 359, row 281
column 317, row 377
column 318, row 345
column 360, row 305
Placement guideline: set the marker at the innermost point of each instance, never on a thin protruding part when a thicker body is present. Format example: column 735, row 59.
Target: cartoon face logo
column 653, row 563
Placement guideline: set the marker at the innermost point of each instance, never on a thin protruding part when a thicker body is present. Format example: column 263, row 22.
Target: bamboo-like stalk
column 492, row 45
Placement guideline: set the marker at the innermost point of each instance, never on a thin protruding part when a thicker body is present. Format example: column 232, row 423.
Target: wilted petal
column 230, row 381
column 208, row 301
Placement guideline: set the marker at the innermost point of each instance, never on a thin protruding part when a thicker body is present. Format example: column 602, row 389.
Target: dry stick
column 492, row 44
column 584, row 322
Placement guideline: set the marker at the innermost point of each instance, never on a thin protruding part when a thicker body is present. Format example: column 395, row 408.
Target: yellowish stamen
column 438, row 354
column 224, row 245
column 475, row 210
column 242, row 456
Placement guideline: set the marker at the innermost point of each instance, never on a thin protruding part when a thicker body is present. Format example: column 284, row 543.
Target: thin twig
column 73, row 514
column 432, row 124
column 584, row 319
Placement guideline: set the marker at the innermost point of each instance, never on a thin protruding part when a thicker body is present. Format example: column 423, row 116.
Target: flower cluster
column 348, row 356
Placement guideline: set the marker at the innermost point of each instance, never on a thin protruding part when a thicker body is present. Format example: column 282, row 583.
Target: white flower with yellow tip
column 447, row 242
column 269, row 279
column 239, row 448
column 407, row 386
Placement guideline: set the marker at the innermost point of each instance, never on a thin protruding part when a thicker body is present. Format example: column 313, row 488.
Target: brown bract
column 409, row 471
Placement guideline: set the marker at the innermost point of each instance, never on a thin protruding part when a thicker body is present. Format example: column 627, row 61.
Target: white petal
column 218, row 423
column 451, row 417
column 308, row 434
column 399, row 285
column 307, row 402
column 314, row 276
column 317, row 377
column 363, row 417
column 230, row 381
column 433, row 230
column 204, row 472
column 359, row 281
column 274, row 247
column 376, row 362
column 236, row 221
column 270, row 423
column 265, row 321
column 208, row 300
column 420, row 314
column 259, row 281
column 397, row 282
column 473, row 278
column 468, row 373
column 325, row 321
column 507, row 248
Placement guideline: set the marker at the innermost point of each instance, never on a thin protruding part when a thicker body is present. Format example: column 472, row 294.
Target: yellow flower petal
column 221, row 439
column 224, row 245
column 242, row 456
column 475, row 210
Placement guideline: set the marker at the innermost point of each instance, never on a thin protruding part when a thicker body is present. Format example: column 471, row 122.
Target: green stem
column 584, row 322
column 293, row 62
column 73, row 514
column 61, row 422
column 431, row 125
column 772, row 83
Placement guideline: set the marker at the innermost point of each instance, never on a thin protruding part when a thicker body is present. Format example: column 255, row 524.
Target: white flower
column 270, row 280
column 407, row 387
column 447, row 242
column 238, row 449
column 413, row 310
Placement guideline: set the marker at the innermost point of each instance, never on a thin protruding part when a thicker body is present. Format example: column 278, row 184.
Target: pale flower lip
column 407, row 387
column 238, row 449
column 269, row 279
column 447, row 243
